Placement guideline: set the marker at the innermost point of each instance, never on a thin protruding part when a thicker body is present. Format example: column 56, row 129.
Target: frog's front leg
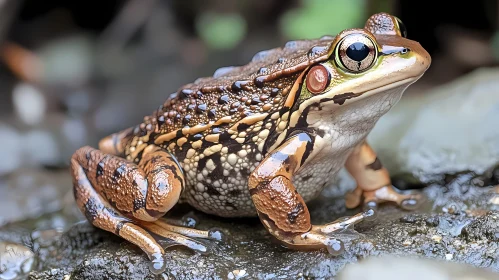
column 281, row 208
column 128, row 199
column 373, row 182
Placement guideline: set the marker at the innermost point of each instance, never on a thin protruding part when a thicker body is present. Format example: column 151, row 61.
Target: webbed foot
column 409, row 200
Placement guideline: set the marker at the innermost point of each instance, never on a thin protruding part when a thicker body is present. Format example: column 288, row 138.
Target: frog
column 258, row 140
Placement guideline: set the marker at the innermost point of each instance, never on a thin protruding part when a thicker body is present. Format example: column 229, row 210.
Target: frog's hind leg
column 127, row 199
column 102, row 215
column 373, row 182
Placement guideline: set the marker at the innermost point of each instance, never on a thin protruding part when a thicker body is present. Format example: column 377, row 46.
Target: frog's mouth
column 346, row 98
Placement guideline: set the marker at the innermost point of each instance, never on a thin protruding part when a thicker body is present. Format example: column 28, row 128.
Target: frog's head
column 363, row 63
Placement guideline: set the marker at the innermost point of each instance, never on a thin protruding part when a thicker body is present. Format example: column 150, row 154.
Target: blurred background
column 72, row 72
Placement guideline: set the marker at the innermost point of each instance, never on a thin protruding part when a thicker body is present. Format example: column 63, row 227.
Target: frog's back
column 219, row 128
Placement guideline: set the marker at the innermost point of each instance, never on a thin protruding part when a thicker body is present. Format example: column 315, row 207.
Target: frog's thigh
column 144, row 191
column 373, row 181
column 102, row 215
column 114, row 144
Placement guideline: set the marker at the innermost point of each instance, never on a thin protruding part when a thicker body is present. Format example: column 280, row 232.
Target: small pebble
column 16, row 260
column 436, row 238
column 237, row 274
column 407, row 242
column 29, row 103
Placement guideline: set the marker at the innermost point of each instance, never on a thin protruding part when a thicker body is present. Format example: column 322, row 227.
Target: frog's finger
column 347, row 222
column 175, row 237
column 214, row 234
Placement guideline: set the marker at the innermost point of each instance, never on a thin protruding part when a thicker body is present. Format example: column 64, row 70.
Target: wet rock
column 29, row 103
column 465, row 236
column 10, row 158
column 40, row 148
column 395, row 268
column 16, row 260
column 30, row 193
column 444, row 131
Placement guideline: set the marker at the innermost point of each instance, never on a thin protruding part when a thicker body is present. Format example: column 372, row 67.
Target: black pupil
column 357, row 51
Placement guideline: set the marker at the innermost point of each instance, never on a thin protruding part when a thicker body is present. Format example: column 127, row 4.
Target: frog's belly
column 219, row 185
column 224, row 191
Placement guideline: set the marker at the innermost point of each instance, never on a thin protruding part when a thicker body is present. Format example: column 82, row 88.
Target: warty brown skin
column 260, row 139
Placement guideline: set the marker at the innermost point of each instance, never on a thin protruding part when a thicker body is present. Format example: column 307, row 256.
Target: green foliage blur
column 323, row 17
column 221, row 31
column 310, row 19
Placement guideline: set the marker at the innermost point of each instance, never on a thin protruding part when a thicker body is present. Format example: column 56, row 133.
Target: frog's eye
column 401, row 27
column 356, row 53
column 318, row 79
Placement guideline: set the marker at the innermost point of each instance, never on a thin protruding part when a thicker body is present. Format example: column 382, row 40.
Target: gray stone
column 466, row 236
column 10, row 159
column 30, row 193
column 395, row 268
column 29, row 103
column 16, row 260
column 443, row 131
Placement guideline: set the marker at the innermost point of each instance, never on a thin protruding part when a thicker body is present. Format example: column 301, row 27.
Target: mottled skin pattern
column 261, row 139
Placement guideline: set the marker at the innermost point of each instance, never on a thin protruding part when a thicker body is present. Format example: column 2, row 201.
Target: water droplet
column 335, row 247
column 216, row 234
column 370, row 215
column 409, row 204
column 189, row 221
column 157, row 264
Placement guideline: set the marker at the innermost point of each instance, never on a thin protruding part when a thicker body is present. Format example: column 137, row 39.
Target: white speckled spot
column 210, row 165
column 190, row 153
column 263, row 134
column 232, row 159
column 242, row 153
column 260, row 146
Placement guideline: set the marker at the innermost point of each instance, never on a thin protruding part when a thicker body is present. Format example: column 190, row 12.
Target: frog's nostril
column 405, row 50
